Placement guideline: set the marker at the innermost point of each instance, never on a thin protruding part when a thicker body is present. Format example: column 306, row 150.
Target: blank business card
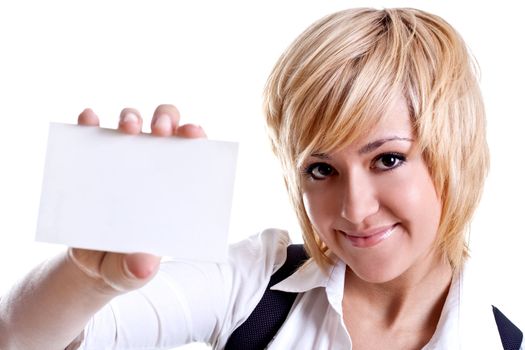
column 104, row 190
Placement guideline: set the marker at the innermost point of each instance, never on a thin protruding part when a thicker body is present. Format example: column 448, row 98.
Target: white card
column 104, row 190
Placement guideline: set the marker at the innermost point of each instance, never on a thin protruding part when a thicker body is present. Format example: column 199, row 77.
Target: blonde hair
column 338, row 78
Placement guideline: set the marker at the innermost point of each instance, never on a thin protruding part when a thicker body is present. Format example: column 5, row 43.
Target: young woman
column 377, row 119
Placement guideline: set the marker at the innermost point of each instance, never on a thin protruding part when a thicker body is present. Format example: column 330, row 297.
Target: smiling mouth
column 370, row 240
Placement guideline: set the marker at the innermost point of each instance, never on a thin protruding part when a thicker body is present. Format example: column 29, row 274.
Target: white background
column 211, row 59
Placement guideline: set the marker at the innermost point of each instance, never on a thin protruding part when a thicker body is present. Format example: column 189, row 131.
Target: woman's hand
column 124, row 272
column 50, row 306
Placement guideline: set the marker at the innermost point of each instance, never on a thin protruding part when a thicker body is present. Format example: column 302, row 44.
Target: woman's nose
column 359, row 197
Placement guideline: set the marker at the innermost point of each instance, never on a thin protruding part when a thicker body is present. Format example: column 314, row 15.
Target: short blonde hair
column 339, row 77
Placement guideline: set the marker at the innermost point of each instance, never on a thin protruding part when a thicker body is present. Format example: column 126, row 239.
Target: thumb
column 126, row 272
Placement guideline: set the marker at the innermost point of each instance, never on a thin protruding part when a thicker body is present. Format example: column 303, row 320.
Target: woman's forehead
column 394, row 124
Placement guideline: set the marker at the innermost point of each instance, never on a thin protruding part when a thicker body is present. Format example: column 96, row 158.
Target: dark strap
column 511, row 336
column 271, row 312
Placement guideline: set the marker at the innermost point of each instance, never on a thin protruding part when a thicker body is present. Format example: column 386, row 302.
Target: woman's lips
column 370, row 239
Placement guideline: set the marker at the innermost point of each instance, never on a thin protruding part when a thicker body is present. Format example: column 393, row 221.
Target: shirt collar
column 310, row 276
column 307, row 277
column 466, row 318
column 447, row 332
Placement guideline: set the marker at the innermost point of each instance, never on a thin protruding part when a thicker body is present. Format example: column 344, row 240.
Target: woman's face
column 373, row 203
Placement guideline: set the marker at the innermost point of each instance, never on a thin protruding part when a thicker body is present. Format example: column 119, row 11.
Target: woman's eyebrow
column 369, row 147
column 321, row 156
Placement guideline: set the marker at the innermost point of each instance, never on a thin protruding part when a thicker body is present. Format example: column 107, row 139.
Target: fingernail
column 130, row 117
column 163, row 122
column 138, row 268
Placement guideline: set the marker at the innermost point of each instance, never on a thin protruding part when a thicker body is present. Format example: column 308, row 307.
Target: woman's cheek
column 413, row 200
column 318, row 205
column 309, row 201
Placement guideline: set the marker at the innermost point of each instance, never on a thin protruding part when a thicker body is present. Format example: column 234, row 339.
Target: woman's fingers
column 165, row 120
column 88, row 118
column 130, row 121
column 190, row 131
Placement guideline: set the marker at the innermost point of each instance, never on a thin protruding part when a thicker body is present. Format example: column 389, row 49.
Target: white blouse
column 204, row 302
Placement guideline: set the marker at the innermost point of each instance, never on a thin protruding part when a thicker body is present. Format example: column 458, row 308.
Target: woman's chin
column 376, row 275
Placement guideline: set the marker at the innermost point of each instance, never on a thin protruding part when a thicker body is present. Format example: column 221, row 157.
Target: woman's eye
column 388, row 161
column 319, row 171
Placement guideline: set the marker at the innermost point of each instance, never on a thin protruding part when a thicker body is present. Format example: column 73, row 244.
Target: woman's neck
column 411, row 302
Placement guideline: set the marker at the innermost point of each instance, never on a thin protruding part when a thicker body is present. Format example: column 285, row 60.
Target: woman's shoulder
column 264, row 251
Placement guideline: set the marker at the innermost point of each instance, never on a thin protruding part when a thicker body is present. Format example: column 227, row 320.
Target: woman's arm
column 50, row 307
